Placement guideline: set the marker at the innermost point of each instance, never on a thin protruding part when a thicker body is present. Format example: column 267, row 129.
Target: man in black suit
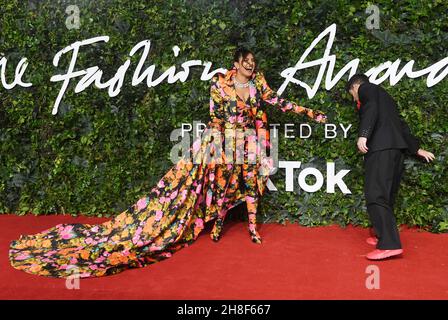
column 383, row 138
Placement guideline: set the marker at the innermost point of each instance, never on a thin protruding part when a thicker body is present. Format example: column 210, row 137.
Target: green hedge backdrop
column 99, row 154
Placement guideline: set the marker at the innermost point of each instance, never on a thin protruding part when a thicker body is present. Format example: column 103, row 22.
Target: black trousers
column 383, row 171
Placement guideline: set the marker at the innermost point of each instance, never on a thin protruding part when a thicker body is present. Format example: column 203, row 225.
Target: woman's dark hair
column 242, row 52
column 357, row 78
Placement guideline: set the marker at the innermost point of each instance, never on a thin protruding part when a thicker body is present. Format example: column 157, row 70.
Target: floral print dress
column 174, row 212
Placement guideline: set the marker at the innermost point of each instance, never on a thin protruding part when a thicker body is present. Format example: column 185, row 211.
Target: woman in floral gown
column 190, row 194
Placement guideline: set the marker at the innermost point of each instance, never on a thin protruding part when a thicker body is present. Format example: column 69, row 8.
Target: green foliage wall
column 99, row 154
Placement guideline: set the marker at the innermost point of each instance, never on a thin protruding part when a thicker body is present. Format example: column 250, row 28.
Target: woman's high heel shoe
column 215, row 234
column 254, row 235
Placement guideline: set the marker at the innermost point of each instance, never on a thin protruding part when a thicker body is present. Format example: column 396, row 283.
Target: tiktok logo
column 332, row 178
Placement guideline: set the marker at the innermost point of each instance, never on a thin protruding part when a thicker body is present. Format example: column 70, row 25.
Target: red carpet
column 294, row 262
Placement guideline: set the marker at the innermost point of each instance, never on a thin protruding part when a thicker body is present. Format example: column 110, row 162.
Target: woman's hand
column 321, row 117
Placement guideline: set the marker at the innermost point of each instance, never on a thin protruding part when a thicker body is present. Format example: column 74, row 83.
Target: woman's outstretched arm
column 270, row 96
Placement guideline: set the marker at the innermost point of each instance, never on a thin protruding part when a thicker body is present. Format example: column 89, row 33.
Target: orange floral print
column 174, row 212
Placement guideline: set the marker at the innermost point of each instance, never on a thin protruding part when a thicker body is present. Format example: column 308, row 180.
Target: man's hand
column 425, row 154
column 362, row 144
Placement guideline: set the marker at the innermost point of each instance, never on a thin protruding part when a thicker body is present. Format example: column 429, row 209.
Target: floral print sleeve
column 270, row 96
column 216, row 99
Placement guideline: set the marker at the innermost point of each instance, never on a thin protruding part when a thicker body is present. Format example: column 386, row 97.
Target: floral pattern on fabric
column 173, row 213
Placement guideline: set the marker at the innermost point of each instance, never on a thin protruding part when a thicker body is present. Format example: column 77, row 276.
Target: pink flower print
column 22, row 256
column 159, row 215
column 212, row 176
column 252, row 138
column 141, row 204
column 251, row 157
column 232, row 119
column 173, row 195
column 252, row 91
column 154, row 248
column 89, row 241
column 85, row 275
column 136, row 236
column 100, row 259
column 184, row 195
column 250, row 199
column 161, row 184
column 93, row 267
column 267, row 163
column 320, row 118
column 196, row 145
column 240, row 119
column 94, row 229
column 163, row 200
column 266, row 143
column 258, row 124
column 67, row 233
column 252, row 227
column 199, row 223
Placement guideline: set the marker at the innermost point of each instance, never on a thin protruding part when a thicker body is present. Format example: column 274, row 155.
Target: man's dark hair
column 357, row 78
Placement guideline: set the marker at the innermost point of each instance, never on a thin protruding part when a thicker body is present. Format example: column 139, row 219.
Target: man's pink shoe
column 372, row 241
column 379, row 254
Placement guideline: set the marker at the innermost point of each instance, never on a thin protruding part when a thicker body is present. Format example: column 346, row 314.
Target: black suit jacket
column 381, row 123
